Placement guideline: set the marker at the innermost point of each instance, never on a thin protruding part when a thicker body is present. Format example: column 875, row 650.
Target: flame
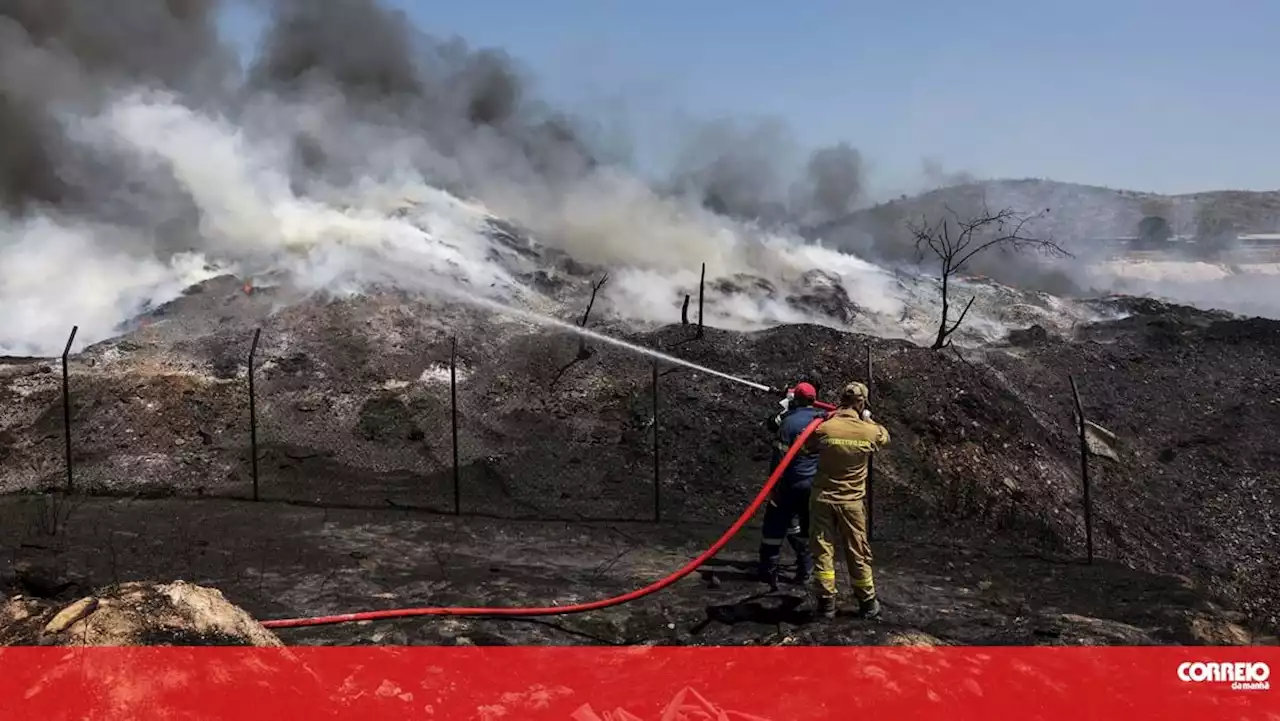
column 248, row 287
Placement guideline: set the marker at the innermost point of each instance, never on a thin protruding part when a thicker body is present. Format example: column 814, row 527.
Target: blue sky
column 1166, row 96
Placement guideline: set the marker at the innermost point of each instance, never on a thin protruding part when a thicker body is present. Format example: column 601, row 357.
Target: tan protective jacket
column 844, row 442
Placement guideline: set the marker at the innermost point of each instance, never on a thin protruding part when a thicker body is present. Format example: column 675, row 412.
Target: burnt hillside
column 353, row 409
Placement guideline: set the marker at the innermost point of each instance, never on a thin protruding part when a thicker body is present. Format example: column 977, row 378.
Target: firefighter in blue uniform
column 786, row 516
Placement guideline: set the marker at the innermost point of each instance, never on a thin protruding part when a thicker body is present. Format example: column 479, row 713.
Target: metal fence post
column 253, row 414
column 66, row 407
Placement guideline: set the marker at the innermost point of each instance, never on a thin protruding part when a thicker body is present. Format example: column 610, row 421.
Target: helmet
column 805, row 390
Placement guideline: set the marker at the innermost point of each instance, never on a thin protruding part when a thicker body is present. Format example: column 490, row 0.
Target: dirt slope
column 1196, row 406
column 353, row 411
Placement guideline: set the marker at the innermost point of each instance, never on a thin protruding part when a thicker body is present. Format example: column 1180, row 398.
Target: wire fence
column 317, row 490
column 261, row 488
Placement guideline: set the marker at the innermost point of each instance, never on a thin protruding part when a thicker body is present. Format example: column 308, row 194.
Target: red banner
column 639, row 683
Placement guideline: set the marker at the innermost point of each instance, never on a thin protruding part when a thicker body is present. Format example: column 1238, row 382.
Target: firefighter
column 837, row 512
column 786, row 517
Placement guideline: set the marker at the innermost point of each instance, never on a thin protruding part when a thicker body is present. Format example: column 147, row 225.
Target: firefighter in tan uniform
column 838, row 517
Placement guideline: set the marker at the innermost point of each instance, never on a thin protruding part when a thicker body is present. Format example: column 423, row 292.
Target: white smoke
column 386, row 227
column 55, row 275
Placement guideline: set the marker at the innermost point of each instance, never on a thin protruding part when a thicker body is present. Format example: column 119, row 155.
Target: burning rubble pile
column 353, row 411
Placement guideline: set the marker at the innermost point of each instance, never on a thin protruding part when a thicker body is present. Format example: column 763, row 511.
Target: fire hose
column 639, row 593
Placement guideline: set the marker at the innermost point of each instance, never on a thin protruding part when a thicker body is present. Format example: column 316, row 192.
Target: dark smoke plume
column 833, row 185
column 64, row 56
column 750, row 172
column 473, row 106
column 736, row 170
column 363, row 49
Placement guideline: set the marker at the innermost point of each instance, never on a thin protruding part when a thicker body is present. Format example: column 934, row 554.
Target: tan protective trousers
column 840, row 527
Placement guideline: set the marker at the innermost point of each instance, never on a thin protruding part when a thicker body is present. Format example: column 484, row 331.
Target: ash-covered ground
column 978, row 513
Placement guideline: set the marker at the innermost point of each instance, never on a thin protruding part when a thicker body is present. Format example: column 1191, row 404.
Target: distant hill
column 1077, row 213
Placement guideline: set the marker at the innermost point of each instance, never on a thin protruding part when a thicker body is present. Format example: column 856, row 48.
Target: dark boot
column 869, row 609
column 804, row 560
column 767, row 570
column 769, row 575
column 825, row 608
column 804, row 570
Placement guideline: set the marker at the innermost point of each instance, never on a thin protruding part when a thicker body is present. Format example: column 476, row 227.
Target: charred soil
column 557, row 473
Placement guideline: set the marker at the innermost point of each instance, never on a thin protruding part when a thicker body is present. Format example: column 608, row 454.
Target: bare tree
column 955, row 240
column 584, row 351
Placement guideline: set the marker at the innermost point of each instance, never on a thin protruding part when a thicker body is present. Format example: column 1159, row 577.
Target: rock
column 71, row 614
column 17, row 609
column 1035, row 335
column 913, row 638
column 1096, row 629
column 1217, row 632
column 308, row 405
column 147, row 614
column 746, row 284
column 822, row 293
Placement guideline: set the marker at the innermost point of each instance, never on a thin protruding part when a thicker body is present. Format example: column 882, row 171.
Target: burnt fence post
column 657, row 468
column 453, row 423
column 871, row 464
column 66, row 407
column 1084, row 472
column 702, row 282
column 253, row 413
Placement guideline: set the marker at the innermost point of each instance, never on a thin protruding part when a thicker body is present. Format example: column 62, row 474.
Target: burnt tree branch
column 955, row 240
column 595, row 288
column 963, row 313
column 702, row 285
column 584, row 351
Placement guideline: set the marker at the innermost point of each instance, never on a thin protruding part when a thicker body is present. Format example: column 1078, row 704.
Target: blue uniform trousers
column 786, row 520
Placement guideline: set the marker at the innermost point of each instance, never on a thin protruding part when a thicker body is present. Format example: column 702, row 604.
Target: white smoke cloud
column 55, row 275
column 386, row 226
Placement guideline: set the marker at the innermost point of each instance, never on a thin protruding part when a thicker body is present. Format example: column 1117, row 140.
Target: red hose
column 577, row 607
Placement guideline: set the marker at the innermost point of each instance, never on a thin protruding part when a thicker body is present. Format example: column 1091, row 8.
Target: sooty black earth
column 978, row 514
column 278, row 560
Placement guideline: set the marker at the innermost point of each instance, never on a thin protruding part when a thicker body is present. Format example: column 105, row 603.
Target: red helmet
column 805, row 390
